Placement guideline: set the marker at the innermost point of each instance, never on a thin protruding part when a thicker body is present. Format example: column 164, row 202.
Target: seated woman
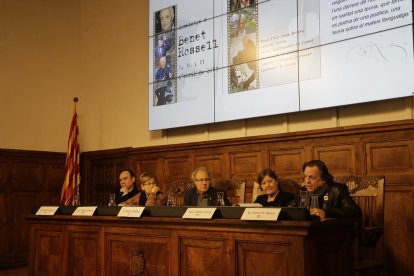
column 272, row 195
column 151, row 195
column 129, row 194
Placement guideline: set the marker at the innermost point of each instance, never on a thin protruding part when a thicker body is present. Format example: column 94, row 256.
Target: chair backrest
column 235, row 189
column 178, row 187
column 368, row 193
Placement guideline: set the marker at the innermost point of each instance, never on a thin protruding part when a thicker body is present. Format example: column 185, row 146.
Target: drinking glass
column 303, row 199
column 76, row 199
column 111, row 200
column 171, row 200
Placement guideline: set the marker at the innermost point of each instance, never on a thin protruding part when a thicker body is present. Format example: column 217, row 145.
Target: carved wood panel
column 176, row 168
column 244, row 164
column 399, row 228
column 285, row 161
column 202, row 256
column 49, row 251
column 390, row 157
column 340, row 159
column 263, row 258
column 84, row 251
column 24, row 203
column 105, row 173
column 26, row 180
column 28, row 175
column 147, row 166
column 149, row 253
column 215, row 164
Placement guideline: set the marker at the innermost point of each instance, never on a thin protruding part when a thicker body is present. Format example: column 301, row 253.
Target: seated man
column 324, row 197
column 129, row 194
column 202, row 194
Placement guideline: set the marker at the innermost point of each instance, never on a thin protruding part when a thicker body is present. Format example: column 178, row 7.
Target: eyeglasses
column 207, row 180
column 150, row 184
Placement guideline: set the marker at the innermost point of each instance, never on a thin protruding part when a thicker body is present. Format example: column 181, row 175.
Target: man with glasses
column 202, row 194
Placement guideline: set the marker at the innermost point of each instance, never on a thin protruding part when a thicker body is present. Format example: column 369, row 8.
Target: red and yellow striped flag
column 72, row 175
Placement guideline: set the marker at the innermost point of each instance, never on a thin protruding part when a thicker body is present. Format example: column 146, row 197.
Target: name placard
column 261, row 214
column 131, row 211
column 249, row 205
column 47, row 210
column 84, row 211
column 199, row 213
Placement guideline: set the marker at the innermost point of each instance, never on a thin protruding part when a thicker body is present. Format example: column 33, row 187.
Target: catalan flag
column 72, row 175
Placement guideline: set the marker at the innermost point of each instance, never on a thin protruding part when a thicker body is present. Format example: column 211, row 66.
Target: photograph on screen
column 165, row 45
column 240, row 4
column 242, row 29
column 165, row 20
column 165, row 93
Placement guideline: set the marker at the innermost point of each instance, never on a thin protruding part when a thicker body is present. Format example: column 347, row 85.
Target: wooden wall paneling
column 23, row 203
column 27, row 179
column 28, row 174
column 374, row 149
column 390, row 157
column 399, row 228
column 152, row 252
column 244, row 164
column 6, row 227
column 176, row 168
column 3, row 175
column 340, row 159
column 269, row 258
column 202, row 256
column 84, row 252
column 216, row 164
column 151, row 166
column 360, row 158
column 105, row 179
column 48, row 256
column 287, row 162
column 53, row 183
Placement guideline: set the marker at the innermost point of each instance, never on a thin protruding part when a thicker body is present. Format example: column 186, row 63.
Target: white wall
column 51, row 51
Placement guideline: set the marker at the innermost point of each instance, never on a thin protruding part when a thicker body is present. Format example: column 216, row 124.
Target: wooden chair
column 177, row 188
column 368, row 193
column 235, row 189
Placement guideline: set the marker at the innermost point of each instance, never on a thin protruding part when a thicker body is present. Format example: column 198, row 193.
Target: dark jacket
column 191, row 197
column 122, row 198
column 337, row 202
column 283, row 199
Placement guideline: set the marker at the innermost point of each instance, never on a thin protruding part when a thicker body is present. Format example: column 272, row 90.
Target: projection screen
column 214, row 60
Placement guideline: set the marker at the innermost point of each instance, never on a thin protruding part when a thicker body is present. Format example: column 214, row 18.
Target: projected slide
column 215, row 60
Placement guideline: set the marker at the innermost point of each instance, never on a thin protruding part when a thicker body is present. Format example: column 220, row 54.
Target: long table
column 110, row 245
